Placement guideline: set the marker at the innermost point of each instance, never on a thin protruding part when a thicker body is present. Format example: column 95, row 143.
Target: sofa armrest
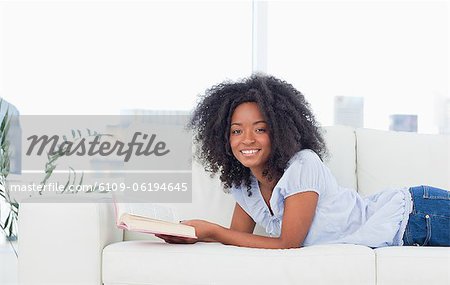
column 61, row 238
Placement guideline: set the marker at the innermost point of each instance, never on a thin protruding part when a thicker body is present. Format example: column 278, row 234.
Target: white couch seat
column 137, row 262
column 412, row 265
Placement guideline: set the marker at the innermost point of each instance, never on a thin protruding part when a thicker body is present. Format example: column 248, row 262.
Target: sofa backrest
column 388, row 159
column 341, row 160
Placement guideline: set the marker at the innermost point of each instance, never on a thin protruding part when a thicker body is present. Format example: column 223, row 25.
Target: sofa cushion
column 342, row 154
column 413, row 265
column 399, row 159
column 64, row 229
column 149, row 262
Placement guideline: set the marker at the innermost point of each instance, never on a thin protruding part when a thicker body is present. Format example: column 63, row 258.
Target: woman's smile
column 249, row 152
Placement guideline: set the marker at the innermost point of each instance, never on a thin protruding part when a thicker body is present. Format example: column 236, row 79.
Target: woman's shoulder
column 303, row 167
column 302, row 156
column 304, row 172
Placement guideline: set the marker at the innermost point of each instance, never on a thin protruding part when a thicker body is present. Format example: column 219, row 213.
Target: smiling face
column 249, row 137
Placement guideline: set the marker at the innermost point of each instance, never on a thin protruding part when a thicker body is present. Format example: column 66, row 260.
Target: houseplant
column 8, row 225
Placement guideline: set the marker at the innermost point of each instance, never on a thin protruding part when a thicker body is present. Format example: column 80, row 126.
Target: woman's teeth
column 249, row 152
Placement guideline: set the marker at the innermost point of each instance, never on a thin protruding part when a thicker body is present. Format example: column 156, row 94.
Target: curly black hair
column 291, row 123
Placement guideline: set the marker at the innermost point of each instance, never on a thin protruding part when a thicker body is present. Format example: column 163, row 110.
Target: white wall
column 392, row 53
column 98, row 57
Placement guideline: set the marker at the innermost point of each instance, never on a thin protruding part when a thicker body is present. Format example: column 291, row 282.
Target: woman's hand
column 203, row 230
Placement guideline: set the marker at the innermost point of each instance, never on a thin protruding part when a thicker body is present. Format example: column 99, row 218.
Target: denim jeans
column 429, row 221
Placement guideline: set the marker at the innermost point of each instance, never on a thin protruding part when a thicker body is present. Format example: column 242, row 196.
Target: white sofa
column 72, row 239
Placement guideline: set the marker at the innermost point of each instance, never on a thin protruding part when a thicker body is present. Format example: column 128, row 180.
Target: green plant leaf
column 7, row 220
column 5, row 120
column 66, row 185
column 11, row 224
column 74, row 176
column 53, row 158
column 81, row 179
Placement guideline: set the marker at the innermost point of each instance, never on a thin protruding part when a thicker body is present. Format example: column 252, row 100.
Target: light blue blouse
column 342, row 215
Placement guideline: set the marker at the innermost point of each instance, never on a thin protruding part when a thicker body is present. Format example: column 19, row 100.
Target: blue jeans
column 429, row 221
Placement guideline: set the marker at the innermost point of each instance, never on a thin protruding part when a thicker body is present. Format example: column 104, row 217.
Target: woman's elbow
column 290, row 244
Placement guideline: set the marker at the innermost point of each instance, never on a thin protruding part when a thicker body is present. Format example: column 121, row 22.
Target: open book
column 150, row 218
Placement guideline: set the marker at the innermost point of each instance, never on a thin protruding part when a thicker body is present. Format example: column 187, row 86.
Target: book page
column 151, row 226
column 149, row 210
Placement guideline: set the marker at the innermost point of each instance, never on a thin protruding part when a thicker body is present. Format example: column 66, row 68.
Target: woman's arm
column 299, row 210
column 240, row 222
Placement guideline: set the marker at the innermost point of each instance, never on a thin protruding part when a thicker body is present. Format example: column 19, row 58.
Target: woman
column 262, row 137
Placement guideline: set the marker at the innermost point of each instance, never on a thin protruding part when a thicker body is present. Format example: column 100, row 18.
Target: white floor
column 8, row 263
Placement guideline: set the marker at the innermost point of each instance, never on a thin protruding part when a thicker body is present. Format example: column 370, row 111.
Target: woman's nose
column 248, row 138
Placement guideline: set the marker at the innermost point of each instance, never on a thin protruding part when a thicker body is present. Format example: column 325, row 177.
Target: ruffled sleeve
column 305, row 172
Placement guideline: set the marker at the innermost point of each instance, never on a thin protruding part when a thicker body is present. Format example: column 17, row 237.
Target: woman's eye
column 260, row 130
column 235, row 132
